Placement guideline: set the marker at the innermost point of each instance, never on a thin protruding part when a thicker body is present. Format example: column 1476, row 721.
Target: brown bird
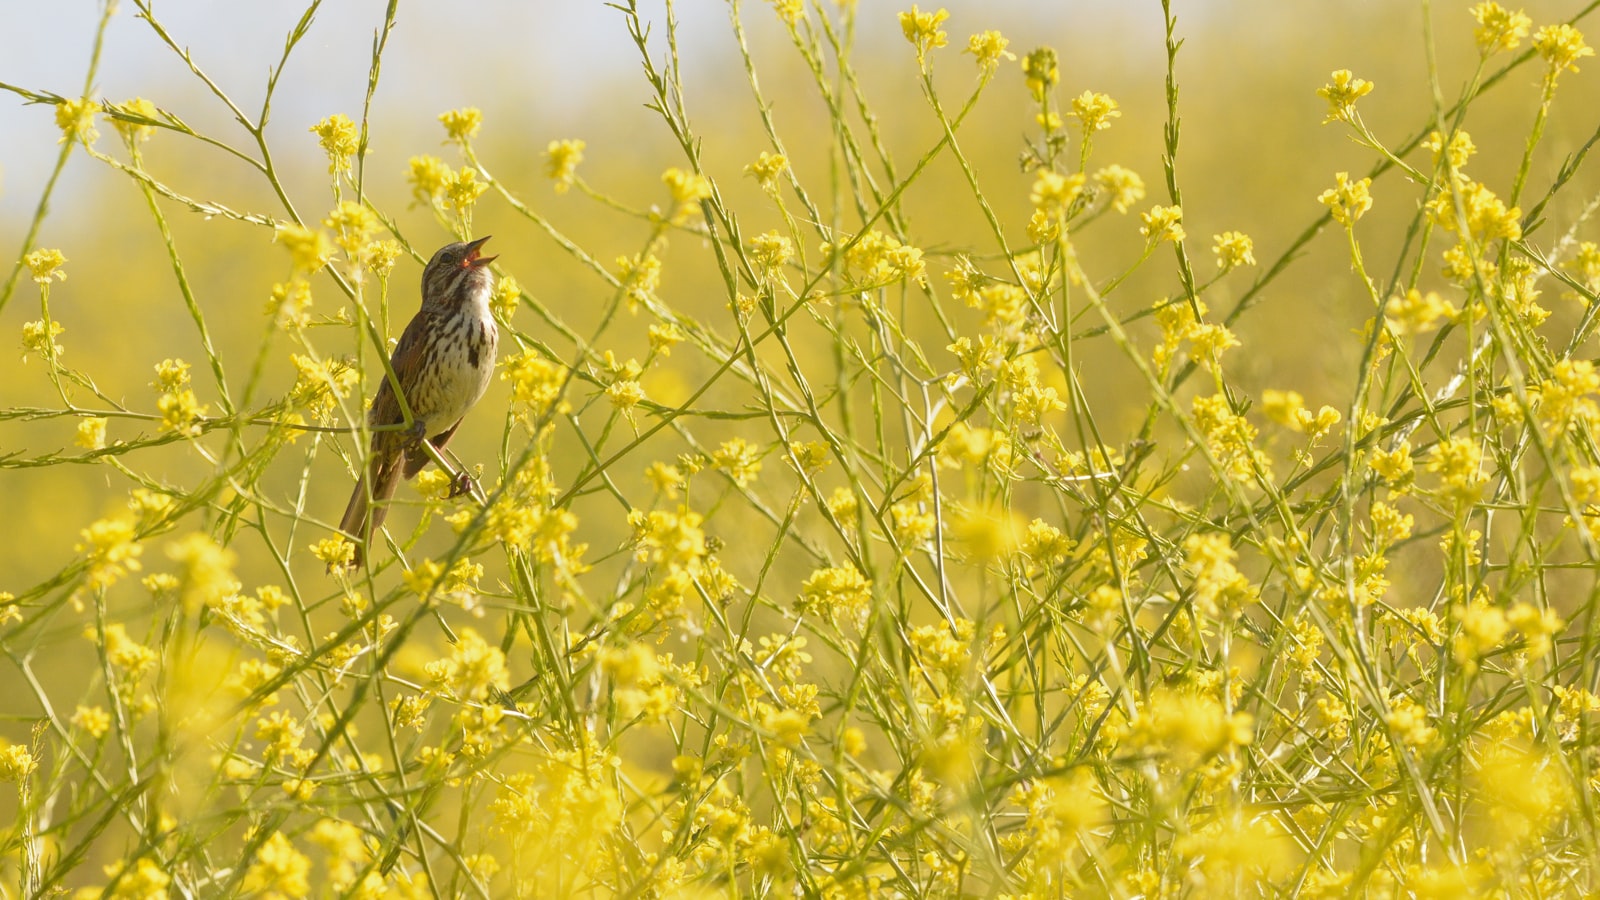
column 443, row 361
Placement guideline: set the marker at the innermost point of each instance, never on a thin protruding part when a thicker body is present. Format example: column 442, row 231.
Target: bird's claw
column 416, row 433
column 460, row 486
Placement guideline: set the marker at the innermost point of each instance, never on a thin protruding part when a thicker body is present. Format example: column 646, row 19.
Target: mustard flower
column 92, row 433
column 1054, row 193
column 789, row 11
column 278, row 868
column 17, row 762
column 45, row 265
column 922, row 30
column 428, row 176
column 739, row 458
column 767, row 168
column 771, row 252
column 1347, row 200
column 561, row 162
column 133, row 132
column 1094, row 111
column 340, row 139
column 1560, row 45
column 310, row 250
column 1123, row 185
column 1342, row 94
column 988, row 48
column 1498, row 28
column 688, row 189
column 838, row 594
column 1039, row 69
column 75, row 118
column 464, row 189
column 352, row 223
column 461, row 125
column 1233, row 249
column 1162, row 223
column 112, row 548
column 335, row 552
column 1456, row 151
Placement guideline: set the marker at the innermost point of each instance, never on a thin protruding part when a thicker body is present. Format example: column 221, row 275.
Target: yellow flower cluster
column 1498, row 29
column 561, row 163
column 340, row 140
column 1342, row 94
column 879, row 259
column 988, row 48
column 842, row 595
column 922, row 30
column 1347, row 200
column 1162, row 223
column 181, row 411
column 1231, row 439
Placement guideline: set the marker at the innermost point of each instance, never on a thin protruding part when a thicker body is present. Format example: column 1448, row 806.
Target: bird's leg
column 415, row 434
column 460, row 486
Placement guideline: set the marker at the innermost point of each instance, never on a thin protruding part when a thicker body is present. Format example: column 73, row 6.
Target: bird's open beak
column 472, row 258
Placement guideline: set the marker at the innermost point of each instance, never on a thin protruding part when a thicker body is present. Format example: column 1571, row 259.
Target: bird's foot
column 415, row 434
column 460, row 486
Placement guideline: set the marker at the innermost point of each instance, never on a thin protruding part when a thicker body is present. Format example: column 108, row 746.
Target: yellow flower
column 428, row 176
column 92, row 433
column 1342, row 94
column 144, row 880
column 336, row 552
column 205, row 570
column 278, row 868
column 1163, row 223
column 93, row 719
column 75, row 118
column 1456, row 152
column 1054, row 193
column 789, row 11
column 16, row 762
column 1039, row 68
column 922, row 30
column 837, row 594
column 1560, row 45
column 1124, row 185
column 352, row 223
column 464, row 189
column 625, row 394
column 133, row 132
column 340, row 139
column 1488, row 217
column 1456, row 461
column 290, row 304
column 1498, row 29
column 739, row 458
column 1567, row 397
column 379, row 257
column 688, row 189
column 1233, row 249
column 988, row 48
column 767, row 168
column 1347, row 200
column 770, row 252
column 639, row 275
column 507, row 295
column 879, row 259
column 181, row 412
column 461, row 125
column 45, row 265
column 1094, row 111
column 309, row 249
column 561, row 162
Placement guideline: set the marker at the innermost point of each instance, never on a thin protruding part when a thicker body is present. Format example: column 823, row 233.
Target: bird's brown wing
column 407, row 364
